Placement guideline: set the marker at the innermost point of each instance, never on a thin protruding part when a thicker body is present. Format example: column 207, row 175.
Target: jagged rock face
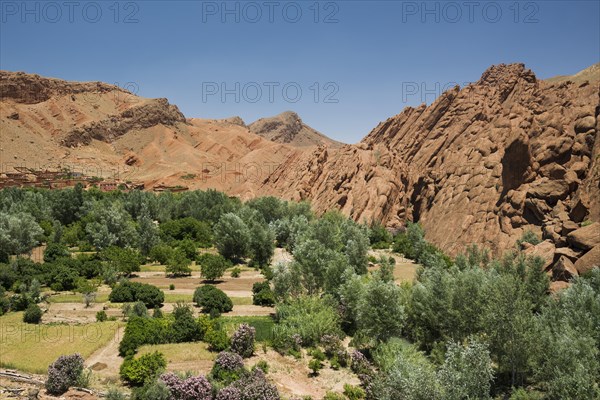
column 146, row 115
column 32, row 89
column 479, row 165
column 288, row 128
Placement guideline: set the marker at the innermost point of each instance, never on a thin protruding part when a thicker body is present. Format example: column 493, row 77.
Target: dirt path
column 105, row 362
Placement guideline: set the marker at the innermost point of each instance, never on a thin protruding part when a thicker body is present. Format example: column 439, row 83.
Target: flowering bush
column 228, row 367
column 360, row 364
column 229, row 361
column 229, row 393
column 242, row 341
column 64, row 373
column 255, row 386
column 192, row 388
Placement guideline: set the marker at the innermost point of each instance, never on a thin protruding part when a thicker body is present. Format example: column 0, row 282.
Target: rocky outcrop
column 288, row 128
column 32, row 89
column 482, row 164
column 149, row 114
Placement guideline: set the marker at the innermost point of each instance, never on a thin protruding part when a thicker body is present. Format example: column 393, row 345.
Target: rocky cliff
column 288, row 128
column 482, row 164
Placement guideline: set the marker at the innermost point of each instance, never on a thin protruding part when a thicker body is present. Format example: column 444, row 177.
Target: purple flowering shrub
column 360, row 365
column 254, row 386
column 64, row 373
column 192, row 388
column 242, row 341
column 228, row 367
column 229, row 393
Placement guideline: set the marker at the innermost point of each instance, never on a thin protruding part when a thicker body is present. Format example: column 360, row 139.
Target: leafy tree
column 380, row 315
column 262, row 295
column 184, row 327
column 124, row 260
column 161, row 253
column 212, row 300
column 148, row 233
column 379, row 237
column 178, row 264
column 262, row 245
column 88, row 289
column 110, row 225
column 270, row 208
column 319, row 267
column 19, row 234
column 128, row 292
column 189, row 248
column 467, row 371
column 232, row 237
column 212, row 266
column 187, row 228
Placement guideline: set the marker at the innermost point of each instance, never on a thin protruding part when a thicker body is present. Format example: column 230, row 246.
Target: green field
column 32, row 348
column 263, row 326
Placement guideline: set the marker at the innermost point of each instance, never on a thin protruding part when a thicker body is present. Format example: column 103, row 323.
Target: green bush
column 354, row 392
column 178, row 264
column 315, row 366
column 217, row 339
column 127, row 292
column 187, row 228
column 140, row 331
column 160, row 253
column 156, row 390
column 101, row 316
column 54, row 251
column 528, row 237
column 262, row 295
column 262, row 365
column 139, row 371
column 212, row 300
column 172, row 286
column 33, row 314
column 236, row 272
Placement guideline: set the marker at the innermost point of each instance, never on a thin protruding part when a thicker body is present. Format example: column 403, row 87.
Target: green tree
column 148, row 233
column 110, row 225
column 232, row 237
column 467, row 371
column 212, row 266
column 262, row 245
column 19, row 234
column 124, row 260
column 178, row 264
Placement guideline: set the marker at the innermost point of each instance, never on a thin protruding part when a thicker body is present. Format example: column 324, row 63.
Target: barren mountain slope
column 479, row 165
column 288, row 128
column 102, row 130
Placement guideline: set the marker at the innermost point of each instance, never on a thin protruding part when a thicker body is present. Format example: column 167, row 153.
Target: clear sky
column 356, row 63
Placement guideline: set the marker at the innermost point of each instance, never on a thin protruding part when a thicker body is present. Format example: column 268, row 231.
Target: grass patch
column 263, row 325
column 32, row 348
column 75, row 298
column 241, row 301
column 152, row 268
column 180, row 352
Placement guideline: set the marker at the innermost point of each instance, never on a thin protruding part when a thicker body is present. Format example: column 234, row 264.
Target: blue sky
column 355, row 62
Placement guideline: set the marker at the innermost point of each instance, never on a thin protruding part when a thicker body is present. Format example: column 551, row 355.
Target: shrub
column 101, row 316
column 217, row 339
column 333, row 396
column 142, row 370
column 212, row 266
column 306, row 319
column 64, row 373
column 172, row 286
column 354, row 392
column 228, row 367
column 55, row 251
column 127, row 292
column 229, row 393
column 236, row 272
column 528, row 237
column 242, row 341
column 140, row 331
column 212, row 300
column 255, row 386
column 115, row 394
column 184, row 327
column 33, row 314
column 262, row 295
column 190, row 388
column 262, row 365
column 156, row 390
column 315, row 366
